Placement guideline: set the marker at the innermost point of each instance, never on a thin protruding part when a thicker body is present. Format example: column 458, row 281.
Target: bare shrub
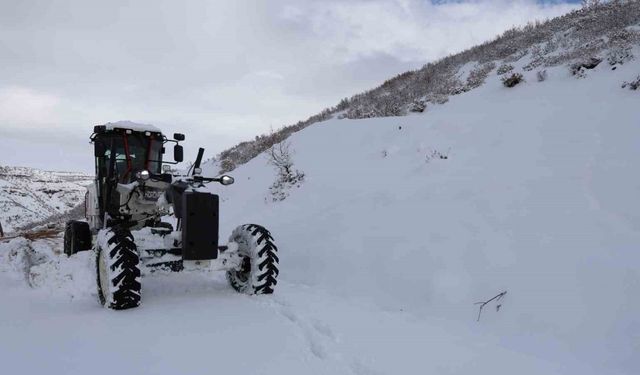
column 619, row 55
column 516, row 56
column 437, row 155
column 504, row 69
column 281, row 157
column 541, row 75
column 418, row 105
column 579, row 69
column 553, row 44
column 479, row 75
column 632, row 85
column 512, row 80
column 227, row 165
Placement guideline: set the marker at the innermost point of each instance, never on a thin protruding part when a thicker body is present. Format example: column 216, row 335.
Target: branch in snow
column 496, row 298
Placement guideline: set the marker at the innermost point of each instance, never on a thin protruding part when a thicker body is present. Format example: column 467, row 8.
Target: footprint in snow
column 324, row 329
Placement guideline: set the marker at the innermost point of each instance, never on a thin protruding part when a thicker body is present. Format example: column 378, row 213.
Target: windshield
column 133, row 153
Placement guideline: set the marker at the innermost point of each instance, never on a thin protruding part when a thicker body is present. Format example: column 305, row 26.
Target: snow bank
column 42, row 267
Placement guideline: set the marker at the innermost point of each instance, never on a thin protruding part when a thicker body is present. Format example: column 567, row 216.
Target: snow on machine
column 132, row 191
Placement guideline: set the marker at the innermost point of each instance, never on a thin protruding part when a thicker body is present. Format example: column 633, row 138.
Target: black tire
column 259, row 271
column 117, row 269
column 77, row 237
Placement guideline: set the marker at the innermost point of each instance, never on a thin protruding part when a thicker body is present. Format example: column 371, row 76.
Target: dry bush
column 619, row 55
column 437, row 155
column 632, row 85
column 418, row 105
column 479, row 75
column 281, row 157
column 579, row 69
column 504, row 69
column 512, row 80
column 541, row 75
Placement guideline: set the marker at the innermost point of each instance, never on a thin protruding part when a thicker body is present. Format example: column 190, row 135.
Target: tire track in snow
column 316, row 338
column 321, row 339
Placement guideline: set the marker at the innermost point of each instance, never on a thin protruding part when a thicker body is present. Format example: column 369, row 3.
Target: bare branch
column 483, row 304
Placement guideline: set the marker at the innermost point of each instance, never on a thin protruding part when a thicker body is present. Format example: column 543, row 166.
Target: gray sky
column 219, row 71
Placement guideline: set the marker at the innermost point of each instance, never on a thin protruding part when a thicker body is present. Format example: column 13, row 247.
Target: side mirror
column 226, row 180
column 99, row 149
column 178, row 155
column 178, row 136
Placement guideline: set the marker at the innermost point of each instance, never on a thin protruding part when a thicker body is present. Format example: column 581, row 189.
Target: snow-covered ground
column 30, row 195
column 384, row 250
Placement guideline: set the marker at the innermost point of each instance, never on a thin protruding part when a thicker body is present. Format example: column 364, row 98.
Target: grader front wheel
column 117, row 269
column 259, row 271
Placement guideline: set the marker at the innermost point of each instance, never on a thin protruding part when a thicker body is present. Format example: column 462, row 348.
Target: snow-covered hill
column 602, row 33
column 536, row 196
column 384, row 250
column 30, row 195
column 401, row 225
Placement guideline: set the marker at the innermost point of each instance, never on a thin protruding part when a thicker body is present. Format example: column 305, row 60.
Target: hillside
column 535, row 197
column 604, row 32
column 30, row 195
column 401, row 225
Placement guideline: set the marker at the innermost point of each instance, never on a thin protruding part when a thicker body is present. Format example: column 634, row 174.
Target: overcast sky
column 220, row 71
